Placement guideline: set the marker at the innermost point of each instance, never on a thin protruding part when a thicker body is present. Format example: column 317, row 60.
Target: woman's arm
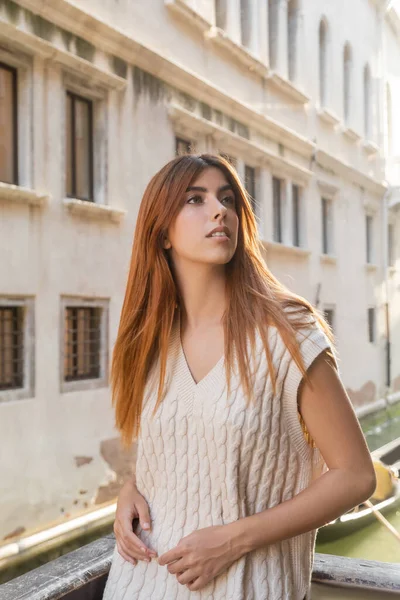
column 333, row 425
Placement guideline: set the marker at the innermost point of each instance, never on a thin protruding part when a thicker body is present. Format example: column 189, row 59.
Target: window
column 182, row 146
column 84, row 347
column 250, row 184
column 292, row 38
column 329, row 314
column 347, row 64
column 367, row 101
column 391, row 246
column 371, row 325
column 327, row 245
column 369, row 233
column 82, row 343
column 273, row 10
column 79, row 152
column 277, row 209
column 323, row 42
column 8, row 125
column 296, row 214
column 220, row 13
column 11, row 347
column 245, row 22
column 16, row 348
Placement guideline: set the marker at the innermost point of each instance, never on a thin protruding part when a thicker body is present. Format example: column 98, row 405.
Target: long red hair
column 254, row 295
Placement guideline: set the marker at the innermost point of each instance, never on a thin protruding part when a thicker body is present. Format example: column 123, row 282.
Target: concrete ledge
column 48, row 50
column 193, row 123
column 181, row 8
column 328, row 259
column 280, row 248
column 288, row 88
column 93, row 211
column 245, row 56
column 21, row 195
column 370, row 147
column 351, row 134
column 329, row 117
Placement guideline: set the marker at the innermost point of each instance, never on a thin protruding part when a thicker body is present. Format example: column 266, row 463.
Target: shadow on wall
column 122, row 462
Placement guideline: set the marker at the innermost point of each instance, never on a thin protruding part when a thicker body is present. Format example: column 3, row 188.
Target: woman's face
column 209, row 203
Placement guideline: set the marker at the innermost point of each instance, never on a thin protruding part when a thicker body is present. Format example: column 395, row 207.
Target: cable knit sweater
column 205, row 459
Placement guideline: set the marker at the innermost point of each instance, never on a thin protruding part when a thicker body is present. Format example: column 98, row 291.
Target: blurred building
column 95, row 96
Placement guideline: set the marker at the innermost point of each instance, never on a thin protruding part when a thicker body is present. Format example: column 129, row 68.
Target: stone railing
column 81, row 575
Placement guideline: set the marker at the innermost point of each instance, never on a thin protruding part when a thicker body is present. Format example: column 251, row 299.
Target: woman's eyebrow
column 194, row 188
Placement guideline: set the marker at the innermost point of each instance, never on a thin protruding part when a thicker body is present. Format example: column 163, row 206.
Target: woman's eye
column 195, row 199
column 228, row 199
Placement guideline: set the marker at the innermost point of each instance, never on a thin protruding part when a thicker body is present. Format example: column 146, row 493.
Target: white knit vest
column 205, row 459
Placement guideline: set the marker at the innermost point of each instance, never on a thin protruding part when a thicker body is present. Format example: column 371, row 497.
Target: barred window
column 182, row 146
column 11, row 347
column 8, row 125
column 82, row 343
column 79, row 151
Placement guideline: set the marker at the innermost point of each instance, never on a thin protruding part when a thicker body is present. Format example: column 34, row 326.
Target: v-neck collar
column 209, row 384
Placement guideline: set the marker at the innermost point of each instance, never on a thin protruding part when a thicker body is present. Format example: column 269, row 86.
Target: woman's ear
column 166, row 243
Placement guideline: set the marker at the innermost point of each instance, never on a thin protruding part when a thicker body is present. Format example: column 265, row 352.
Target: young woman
column 247, row 441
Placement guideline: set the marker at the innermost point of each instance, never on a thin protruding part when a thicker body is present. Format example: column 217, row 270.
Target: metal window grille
column 79, row 152
column 250, row 184
column 8, row 125
column 371, row 324
column 182, row 146
column 11, row 347
column 82, row 343
column 296, row 214
column 277, row 208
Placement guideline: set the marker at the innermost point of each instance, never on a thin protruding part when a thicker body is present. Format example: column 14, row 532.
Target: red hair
column 254, row 295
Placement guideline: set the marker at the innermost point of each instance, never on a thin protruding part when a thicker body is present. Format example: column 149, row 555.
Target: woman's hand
column 131, row 505
column 201, row 556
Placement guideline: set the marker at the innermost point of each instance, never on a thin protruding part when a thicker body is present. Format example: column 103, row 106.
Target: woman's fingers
column 125, row 555
column 130, row 543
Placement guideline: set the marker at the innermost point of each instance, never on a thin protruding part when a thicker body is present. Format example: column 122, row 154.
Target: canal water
column 374, row 542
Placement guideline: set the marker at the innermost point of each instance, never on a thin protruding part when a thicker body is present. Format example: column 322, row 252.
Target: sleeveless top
column 206, row 459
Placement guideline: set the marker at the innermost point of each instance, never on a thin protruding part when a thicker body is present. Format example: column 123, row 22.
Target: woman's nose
column 217, row 208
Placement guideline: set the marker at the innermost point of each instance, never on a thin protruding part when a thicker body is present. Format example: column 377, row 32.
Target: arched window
column 273, row 8
column 293, row 24
column 347, row 65
column 323, row 57
column 245, row 21
column 220, row 13
column 389, row 120
column 367, row 101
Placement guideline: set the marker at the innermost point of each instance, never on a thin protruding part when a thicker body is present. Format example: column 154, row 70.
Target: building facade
column 97, row 96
